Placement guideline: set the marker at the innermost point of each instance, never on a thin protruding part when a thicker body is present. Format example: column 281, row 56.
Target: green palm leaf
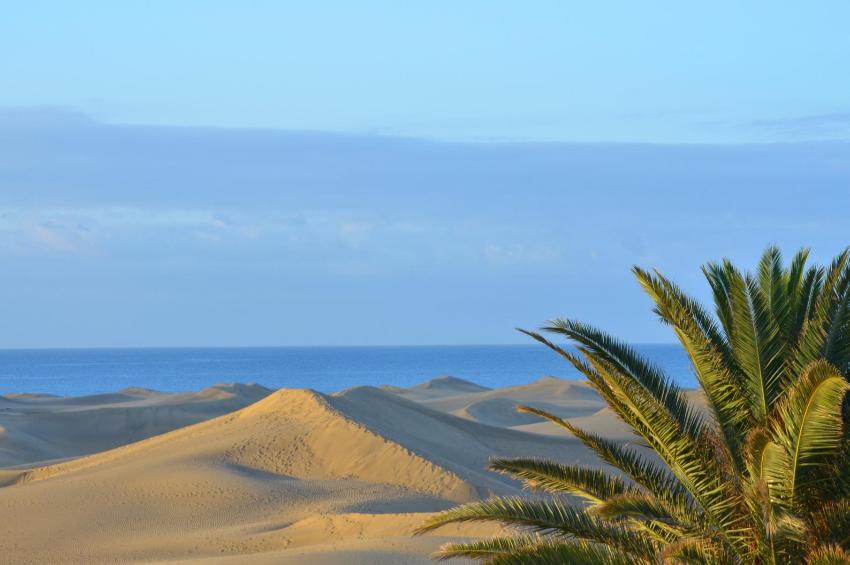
column 600, row 346
column 694, row 463
column 757, row 344
column 656, row 480
column 634, row 505
column 765, row 479
column 545, row 517
column 808, row 428
column 831, row 523
column 825, row 322
column 798, row 281
column 593, row 485
column 575, row 553
column 828, row 555
column 536, row 550
column 487, row 549
column 712, row 360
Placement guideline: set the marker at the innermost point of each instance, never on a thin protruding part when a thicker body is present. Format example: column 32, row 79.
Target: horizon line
column 81, row 118
column 350, row 346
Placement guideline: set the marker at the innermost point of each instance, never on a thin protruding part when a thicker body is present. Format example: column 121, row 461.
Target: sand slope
column 296, row 477
column 37, row 428
column 571, row 399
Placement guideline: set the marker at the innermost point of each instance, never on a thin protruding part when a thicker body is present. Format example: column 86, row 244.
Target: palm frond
column 809, row 428
column 695, row 550
column 693, row 462
column 830, row 523
column 798, row 281
column 717, row 275
column 775, row 285
column 637, row 506
column 655, row 479
column 826, row 317
column 765, row 479
column 644, row 512
column 828, row 555
column 757, row 344
column 657, row 410
column 536, row 550
column 487, row 549
column 578, row 363
column 710, row 356
column 549, row 517
column 575, row 553
column 600, row 346
column 810, row 291
column 593, row 485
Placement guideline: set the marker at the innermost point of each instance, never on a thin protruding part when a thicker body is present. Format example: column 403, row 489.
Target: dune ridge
column 296, row 476
column 41, row 428
column 293, row 433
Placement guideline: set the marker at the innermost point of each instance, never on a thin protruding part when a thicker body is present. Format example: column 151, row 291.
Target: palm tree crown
column 764, row 477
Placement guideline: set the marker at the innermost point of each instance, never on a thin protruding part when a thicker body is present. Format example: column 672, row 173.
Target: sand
column 37, row 428
column 241, row 474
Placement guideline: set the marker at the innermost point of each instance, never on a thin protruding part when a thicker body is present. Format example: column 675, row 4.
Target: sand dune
column 447, row 383
column 570, row 399
column 295, row 477
column 37, row 428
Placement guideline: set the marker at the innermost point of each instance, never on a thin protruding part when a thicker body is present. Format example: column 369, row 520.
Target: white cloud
column 517, row 253
column 74, row 230
column 55, row 236
column 355, row 233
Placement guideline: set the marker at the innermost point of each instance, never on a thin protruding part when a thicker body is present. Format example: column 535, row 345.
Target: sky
column 338, row 173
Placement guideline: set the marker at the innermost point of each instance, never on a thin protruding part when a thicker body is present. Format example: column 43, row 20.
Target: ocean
column 73, row 372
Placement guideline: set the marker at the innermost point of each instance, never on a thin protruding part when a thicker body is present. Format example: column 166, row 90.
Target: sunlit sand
column 239, row 473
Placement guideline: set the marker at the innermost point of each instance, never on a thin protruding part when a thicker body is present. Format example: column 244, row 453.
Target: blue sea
column 72, row 372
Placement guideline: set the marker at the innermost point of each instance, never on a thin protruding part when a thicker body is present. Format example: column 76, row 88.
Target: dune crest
column 292, row 433
column 295, row 476
column 449, row 383
column 41, row 428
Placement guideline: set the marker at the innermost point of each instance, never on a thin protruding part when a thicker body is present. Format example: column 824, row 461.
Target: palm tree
column 763, row 478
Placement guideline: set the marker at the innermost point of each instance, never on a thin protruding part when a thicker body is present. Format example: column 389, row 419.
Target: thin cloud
column 355, row 234
column 59, row 237
column 518, row 253
column 820, row 125
column 29, row 118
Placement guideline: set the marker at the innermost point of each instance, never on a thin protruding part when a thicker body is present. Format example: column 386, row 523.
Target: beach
column 239, row 473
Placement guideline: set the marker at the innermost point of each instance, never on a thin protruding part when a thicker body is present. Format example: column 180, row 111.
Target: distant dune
column 449, row 384
column 243, row 474
column 44, row 427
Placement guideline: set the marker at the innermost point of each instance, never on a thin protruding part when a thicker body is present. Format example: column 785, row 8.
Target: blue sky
column 265, row 173
column 479, row 69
